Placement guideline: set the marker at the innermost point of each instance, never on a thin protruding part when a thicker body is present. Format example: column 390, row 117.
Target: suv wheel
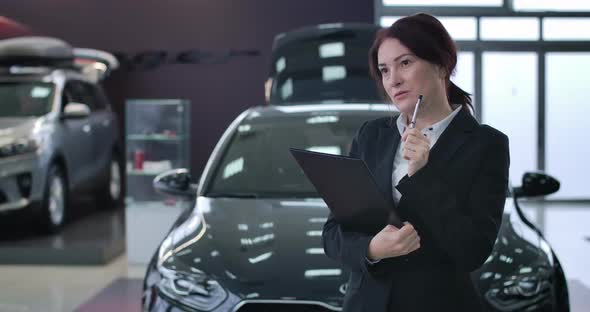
column 111, row 194
column 53, row 206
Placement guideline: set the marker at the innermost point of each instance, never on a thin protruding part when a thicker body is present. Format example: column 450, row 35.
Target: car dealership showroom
column 263, row 155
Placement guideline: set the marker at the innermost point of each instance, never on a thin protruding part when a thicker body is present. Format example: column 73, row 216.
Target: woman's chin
column 405, row 108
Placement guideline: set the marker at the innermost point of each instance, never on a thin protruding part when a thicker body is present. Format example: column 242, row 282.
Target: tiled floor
column 122, row 295
column 58, row 288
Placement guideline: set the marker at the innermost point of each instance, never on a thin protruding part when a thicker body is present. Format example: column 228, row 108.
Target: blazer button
column 407, row 260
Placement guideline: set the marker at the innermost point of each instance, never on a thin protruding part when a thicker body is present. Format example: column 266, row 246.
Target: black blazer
column 455, row 202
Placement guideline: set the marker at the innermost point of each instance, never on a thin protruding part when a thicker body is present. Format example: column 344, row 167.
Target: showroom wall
column 213, row 53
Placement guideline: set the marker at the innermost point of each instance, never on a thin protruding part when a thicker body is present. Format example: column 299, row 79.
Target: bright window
column 510, row 105
column 551, row 5
column 460, row 28
column 509, row 28
column 465, row 73
column 555, row 28
column 469, row 3
column 567, row 127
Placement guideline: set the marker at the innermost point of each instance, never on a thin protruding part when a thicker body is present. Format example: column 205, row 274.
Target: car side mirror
column 76, row 110
column 176, row 182
column 536, row 184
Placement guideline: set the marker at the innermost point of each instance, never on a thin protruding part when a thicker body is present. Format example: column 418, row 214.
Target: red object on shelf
column 138, row 159
column 170, row 133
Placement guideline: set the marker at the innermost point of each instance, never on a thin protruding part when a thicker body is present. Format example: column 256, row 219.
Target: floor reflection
column 567, row 228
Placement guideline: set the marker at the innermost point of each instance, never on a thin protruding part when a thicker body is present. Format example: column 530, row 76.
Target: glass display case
column 156, row 137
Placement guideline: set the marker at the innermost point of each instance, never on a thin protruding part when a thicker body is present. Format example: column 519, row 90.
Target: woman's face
column 405, row 76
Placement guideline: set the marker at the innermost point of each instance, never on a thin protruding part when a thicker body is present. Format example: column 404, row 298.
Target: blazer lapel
column 460, row 128
column 447, row 144
column 387, row 143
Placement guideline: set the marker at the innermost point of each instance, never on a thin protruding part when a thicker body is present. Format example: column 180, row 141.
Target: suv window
column 25, row 98
column 102, row 101
column 86, row 93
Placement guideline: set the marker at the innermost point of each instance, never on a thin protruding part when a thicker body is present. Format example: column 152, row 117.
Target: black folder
column 349, row 189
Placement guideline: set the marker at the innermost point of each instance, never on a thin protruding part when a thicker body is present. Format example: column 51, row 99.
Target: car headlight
column 521, row 290
column 18, row 147
column 195, row 290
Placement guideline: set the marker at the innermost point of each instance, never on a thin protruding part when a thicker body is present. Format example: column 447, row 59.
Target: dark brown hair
column 428, row 39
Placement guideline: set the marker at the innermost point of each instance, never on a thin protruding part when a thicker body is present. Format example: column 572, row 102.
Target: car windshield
column 332, row 67
column 21, row 99
column 257, row 162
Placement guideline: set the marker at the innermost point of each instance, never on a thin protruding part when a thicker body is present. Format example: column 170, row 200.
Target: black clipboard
column 349, row 189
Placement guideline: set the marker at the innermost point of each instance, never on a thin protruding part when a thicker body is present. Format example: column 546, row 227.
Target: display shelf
column 156, row 136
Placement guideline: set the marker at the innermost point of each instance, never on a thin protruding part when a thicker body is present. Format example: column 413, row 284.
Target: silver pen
column 413, row 122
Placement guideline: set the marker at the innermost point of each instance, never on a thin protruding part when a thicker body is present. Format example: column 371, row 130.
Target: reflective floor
column 567, row 228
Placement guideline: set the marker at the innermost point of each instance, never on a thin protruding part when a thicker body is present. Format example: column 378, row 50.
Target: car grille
column 3, row 198
column 282, row 307
column 24, row 182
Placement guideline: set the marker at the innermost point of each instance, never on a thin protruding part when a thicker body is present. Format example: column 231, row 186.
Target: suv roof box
column 35, row 51
column 55, row 53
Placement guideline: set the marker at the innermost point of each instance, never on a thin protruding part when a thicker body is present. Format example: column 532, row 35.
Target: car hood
column 272, row 249
column 519, row 250
column 16, row 127
column 269, row 248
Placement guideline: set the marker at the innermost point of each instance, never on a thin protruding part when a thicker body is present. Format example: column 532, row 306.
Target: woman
column 447, row 178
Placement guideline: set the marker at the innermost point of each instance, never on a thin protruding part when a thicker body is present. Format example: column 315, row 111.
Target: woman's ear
column 442, row 72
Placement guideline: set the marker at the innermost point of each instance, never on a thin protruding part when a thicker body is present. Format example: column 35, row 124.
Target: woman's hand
column 393, row 242
column 416, row 149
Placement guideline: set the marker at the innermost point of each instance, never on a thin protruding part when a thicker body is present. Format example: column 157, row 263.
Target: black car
column 253, row 240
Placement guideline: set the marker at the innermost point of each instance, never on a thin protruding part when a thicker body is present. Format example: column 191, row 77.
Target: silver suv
column 58, row 134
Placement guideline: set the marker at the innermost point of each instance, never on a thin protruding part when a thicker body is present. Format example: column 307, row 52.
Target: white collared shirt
column 432, row 132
